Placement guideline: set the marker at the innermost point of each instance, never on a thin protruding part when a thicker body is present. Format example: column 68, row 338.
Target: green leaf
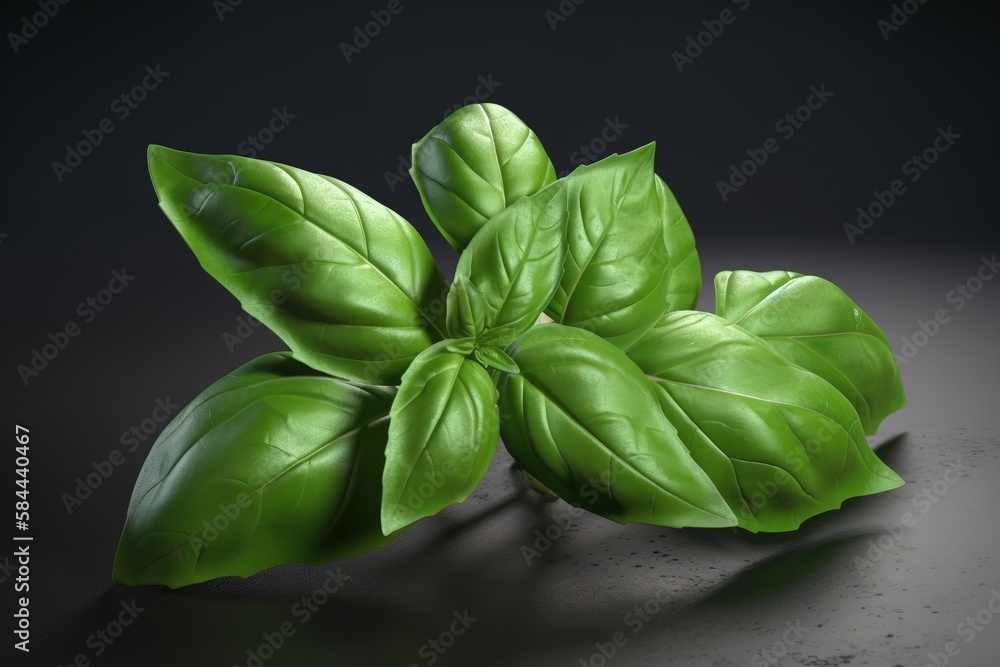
column 477, row 162
column 496, row 358
column 684, row 266
column 349, row 285
column 275, row 463
column 500, row 338
column 467, row 311
column 462, row 346
column 584, row 420
column 442, row 436
column 780, row 443
column 514, row 264
column 813, row 324
column 617, row 279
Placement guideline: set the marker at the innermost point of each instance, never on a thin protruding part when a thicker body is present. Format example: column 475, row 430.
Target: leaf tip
column 392, row 520
column 156, row 153
column 646, row 151
column 890, row 479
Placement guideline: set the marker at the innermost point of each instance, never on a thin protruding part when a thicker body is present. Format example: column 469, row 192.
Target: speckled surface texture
column 849, row 588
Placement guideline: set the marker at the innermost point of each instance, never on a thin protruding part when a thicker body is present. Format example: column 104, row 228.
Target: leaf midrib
column 325, row 231
column 368, row 423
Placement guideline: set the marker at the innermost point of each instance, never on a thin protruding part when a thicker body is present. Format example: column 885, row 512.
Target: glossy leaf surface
column 513, row 265
column 780, row 443
column 617, row 278
column 477, row 162
column 274, row 463
column 349, row 285
column 584, row 420
column 442, row 436
column 814, row 324
column 494, row 357
column 467, row 310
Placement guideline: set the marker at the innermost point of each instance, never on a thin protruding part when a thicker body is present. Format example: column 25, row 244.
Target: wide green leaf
column 275, row 463
column 477, row 162
column 513, row 266
column 780, row 443
column 617, row 278
column 812, row 323
column 584, row 421
column 442, row 436
column 349, row 285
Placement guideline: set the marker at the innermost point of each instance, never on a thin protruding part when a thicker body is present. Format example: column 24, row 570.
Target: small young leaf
column 500, row 338
column 462, row 346
column 477, row 162
column 442, row 436
column 275, row 463
column 812, row 323
column 617, row 281
column 780, row 443
column 584, row 420
column 349, row 285
column 496, row 358
column 514, row 264
column 467, row 311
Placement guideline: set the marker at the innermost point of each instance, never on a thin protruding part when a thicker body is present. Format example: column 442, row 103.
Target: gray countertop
column 852, row 587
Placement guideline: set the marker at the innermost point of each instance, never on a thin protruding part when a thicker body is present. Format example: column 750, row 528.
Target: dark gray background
column 730, row 596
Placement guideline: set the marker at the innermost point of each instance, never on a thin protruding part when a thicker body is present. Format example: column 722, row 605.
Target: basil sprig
column 388, row 407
